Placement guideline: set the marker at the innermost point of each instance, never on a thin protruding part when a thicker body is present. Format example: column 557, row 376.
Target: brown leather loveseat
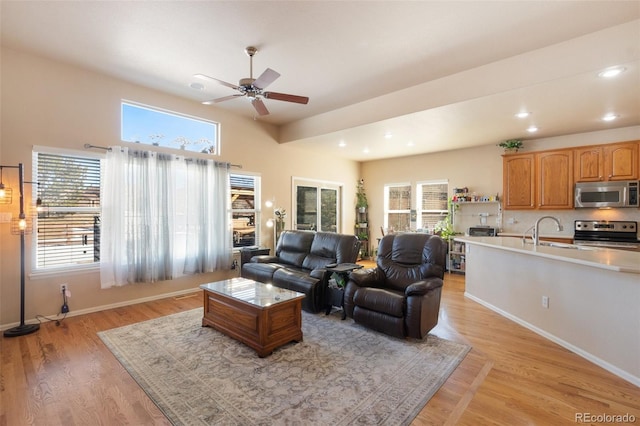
column 299, row 263
column 401, row 296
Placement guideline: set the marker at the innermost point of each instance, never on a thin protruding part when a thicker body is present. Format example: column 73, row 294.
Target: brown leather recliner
column 401, row 296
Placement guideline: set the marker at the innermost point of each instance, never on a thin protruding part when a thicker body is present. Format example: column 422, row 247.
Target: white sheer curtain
column 163, row 216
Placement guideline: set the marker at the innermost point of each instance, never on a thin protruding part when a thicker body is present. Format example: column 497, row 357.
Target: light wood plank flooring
column 64, row 375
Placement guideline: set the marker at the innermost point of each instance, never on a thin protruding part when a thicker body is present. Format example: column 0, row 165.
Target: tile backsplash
column 523, row 220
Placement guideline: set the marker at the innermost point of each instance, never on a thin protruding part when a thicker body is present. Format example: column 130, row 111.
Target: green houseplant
column 361, row 196
column 444, row 229
column 511, row 145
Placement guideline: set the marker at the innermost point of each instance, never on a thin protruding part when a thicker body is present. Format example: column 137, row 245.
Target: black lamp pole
column 22, row 329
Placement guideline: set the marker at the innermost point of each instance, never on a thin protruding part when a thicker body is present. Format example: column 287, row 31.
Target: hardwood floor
column 64, row 375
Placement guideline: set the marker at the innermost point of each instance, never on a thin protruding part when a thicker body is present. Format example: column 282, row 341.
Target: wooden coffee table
column 261, row 316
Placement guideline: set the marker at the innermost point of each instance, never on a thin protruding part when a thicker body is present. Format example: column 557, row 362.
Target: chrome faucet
column 536, row 236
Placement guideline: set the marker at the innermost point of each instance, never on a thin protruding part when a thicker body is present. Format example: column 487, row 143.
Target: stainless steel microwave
column 622, row 193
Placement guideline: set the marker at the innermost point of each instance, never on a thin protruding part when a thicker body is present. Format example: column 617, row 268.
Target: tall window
column 153, row 126
column 432, row 203
column 245, row 202
column 68, row 227
column 397, row 207
column 316, row 205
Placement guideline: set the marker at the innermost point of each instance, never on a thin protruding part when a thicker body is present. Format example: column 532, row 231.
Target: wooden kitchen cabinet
column 518, row 174
column 545, row 179
column 618, row 161
column 621, row 161
column 589, row 164
column 554, row 179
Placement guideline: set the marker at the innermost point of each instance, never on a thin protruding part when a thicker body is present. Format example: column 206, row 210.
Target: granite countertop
column 603, row 258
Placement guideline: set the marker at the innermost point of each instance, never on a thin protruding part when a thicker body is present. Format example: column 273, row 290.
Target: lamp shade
column 6, row 194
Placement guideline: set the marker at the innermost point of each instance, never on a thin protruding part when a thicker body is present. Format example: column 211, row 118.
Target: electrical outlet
column 63, row 288
column 545, row 302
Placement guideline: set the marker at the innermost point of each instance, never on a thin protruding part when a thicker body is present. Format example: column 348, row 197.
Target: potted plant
column 444, row 229
column 511, row 145
column 361, row 195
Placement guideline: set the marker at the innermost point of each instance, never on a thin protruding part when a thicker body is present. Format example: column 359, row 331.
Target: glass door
column 317, row 205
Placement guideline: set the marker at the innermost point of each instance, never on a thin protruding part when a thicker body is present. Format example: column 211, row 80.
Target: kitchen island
column 585, row 299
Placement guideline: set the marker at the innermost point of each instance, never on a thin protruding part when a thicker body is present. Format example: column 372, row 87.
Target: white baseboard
column 579, row 351
column 76, row 313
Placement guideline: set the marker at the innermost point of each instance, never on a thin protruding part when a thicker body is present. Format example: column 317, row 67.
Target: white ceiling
column 438, row 75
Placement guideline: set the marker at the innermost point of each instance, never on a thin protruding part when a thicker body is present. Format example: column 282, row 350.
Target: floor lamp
column 271, row 223
column 18, row 227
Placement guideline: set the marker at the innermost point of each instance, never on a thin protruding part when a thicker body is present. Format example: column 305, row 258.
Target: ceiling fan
column 254, row 88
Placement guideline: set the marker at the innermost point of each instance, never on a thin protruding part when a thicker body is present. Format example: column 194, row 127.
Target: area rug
column 340, row 374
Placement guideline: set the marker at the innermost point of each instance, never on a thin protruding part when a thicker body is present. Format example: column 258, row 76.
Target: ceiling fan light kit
column 253, row 88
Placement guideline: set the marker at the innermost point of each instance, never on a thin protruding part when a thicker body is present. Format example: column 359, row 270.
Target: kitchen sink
column 566, row 245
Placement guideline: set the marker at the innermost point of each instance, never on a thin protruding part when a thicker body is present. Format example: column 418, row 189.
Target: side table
column 335, row 295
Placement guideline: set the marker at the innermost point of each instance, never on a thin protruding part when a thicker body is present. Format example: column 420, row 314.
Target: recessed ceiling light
column 523, row 114
column 611, row 72
column 366, row 150
column 610, row 117
column 342, row 144
column 197, row 86
column 532, row 129
column 388, row 135
column 410, row 143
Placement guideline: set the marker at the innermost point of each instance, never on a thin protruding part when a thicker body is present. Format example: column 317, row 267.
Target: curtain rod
column 89, row 146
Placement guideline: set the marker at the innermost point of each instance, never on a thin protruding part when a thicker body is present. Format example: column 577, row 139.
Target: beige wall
column 52, row 104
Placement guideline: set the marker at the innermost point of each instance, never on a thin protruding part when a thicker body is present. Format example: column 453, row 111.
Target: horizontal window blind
column 399, row 198
column 68, row 226
column 243, row 209
column 434, row 196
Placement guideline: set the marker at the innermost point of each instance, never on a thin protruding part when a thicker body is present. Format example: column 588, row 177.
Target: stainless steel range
column 604, row 233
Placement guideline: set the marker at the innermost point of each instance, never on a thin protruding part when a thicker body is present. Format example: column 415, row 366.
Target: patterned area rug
column 341, row 374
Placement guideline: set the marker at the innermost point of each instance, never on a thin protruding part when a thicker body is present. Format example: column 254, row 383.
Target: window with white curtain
column 397, row 207
column 164, row 216
column 432, row 203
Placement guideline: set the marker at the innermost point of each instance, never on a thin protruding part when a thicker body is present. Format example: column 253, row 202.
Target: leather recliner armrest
column 265, row 258
column 319, row 273
column 370, row 277
column 423, row 287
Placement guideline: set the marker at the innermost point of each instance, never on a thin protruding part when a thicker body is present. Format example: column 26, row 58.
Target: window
column 245, row 202
column 317, row 206
column 432, row 203
column 68, row 227
column 397, row 207
column 143, row 124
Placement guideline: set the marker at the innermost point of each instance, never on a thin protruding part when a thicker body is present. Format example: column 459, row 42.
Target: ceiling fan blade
column 259, row 106
column 224, row 98
column 266, row 78
column 224, row 83
column 286, row 97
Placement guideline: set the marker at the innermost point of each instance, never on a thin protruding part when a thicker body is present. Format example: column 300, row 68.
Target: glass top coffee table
column 262, row 316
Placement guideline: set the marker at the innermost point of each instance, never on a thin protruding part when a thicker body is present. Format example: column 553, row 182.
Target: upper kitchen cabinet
column 554, row 179
column 618, row 161
column 518, row 172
